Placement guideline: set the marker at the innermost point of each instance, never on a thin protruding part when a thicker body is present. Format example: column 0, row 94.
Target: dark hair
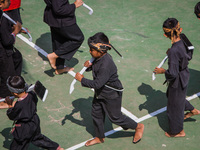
column 170, row 23
column 99, row 37
column 99, row 42
column 16, row 82
column 197, row 9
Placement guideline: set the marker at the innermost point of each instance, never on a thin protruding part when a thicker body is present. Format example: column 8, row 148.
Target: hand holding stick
column 159, row 66
column 6, row 16
column 81, row 72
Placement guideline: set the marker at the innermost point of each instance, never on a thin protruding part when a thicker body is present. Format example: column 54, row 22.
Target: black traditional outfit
column 65, row 33
column 27, row 125
column 108, row 95
column 177, row 76
column 11, row 59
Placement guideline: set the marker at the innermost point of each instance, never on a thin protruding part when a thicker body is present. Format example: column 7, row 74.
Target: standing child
column 24, row 114
column 8, row 66
column 177, row 75
column 65, row 33
column 108, row 91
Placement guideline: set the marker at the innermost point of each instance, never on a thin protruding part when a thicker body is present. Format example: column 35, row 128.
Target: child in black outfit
column 10, row 59
column 108, row 90
column 24, row 114
column 177, row 75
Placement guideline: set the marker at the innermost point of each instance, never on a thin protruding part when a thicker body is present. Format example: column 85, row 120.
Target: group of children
column 108, row 88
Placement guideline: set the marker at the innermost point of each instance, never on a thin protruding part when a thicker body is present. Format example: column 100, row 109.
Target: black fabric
column 10, row 58
column 106, row 101
column 59, row 13
column 66, row 41
column 27, row 126
column 104, row 71
column 177, row 75
column 111, row 108
column 14, row 14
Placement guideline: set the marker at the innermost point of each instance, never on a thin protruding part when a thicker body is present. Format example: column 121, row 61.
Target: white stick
column 160, row 65
column 6, row 16
column 86, row 6
column 81, row 72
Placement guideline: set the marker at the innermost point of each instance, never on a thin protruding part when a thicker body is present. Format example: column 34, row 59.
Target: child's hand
column 78, row 3
column 159, row 70
column 17, row 28
column 79, row 76
column 87, row 63
column 9, row 101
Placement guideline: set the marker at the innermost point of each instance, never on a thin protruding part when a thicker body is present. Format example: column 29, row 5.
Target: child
column 65, row 33
column 197, row 10
column 24, row 114
column 108, row 91
column 177, row 75
column 8, row 65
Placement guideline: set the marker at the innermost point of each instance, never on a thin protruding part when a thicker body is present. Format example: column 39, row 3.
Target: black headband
column 16, row 90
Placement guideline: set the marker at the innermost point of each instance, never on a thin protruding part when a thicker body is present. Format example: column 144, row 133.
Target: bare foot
column 191, row 113
column 61, row 149
column 66, row 69
column 181, row 134
column 52, row 59
column 96, row 140
column 138, row 133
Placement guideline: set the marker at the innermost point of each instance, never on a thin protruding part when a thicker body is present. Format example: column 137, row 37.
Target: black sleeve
column 63, row 8
column 13, row 112
column 102, row 78
column 7, row 38
column 173, row 66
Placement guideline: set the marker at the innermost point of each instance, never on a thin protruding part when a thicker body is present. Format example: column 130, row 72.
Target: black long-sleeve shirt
column 6, row 38
column 178, row 65
column 59, row 13
column 25, row 116
column 104, row 73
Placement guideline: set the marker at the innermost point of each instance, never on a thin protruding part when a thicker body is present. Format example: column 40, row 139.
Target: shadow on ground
column 8, row 140
column 155, row 99
column 84, row 106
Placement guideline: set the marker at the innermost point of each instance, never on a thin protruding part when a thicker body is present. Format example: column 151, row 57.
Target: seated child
column 24, row 114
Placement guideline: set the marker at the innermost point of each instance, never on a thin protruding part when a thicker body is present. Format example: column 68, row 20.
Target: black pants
column 38, row 140
column 111, row 108
column 66, row 41
column 176, row 106
column 9, row 66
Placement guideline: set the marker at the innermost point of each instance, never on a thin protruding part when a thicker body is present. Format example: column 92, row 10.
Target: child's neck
column 22, row 95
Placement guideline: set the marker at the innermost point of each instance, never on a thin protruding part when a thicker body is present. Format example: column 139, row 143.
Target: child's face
column 5, row 4
column 95, row 53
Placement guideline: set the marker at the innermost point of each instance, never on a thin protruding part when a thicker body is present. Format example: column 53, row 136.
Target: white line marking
column 33, row 45
column 138, row 120
column 128, row 113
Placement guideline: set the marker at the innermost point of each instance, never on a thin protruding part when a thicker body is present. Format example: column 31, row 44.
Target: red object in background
column 14, row 4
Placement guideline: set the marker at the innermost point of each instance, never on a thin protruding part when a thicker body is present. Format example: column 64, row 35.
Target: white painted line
column 139, row 120
column 128, row 113
column 33, row 45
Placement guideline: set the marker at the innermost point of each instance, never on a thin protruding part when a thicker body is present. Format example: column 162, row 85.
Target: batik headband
column 167, row 30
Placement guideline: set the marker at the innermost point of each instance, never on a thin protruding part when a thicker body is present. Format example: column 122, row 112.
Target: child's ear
column 181, row 29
